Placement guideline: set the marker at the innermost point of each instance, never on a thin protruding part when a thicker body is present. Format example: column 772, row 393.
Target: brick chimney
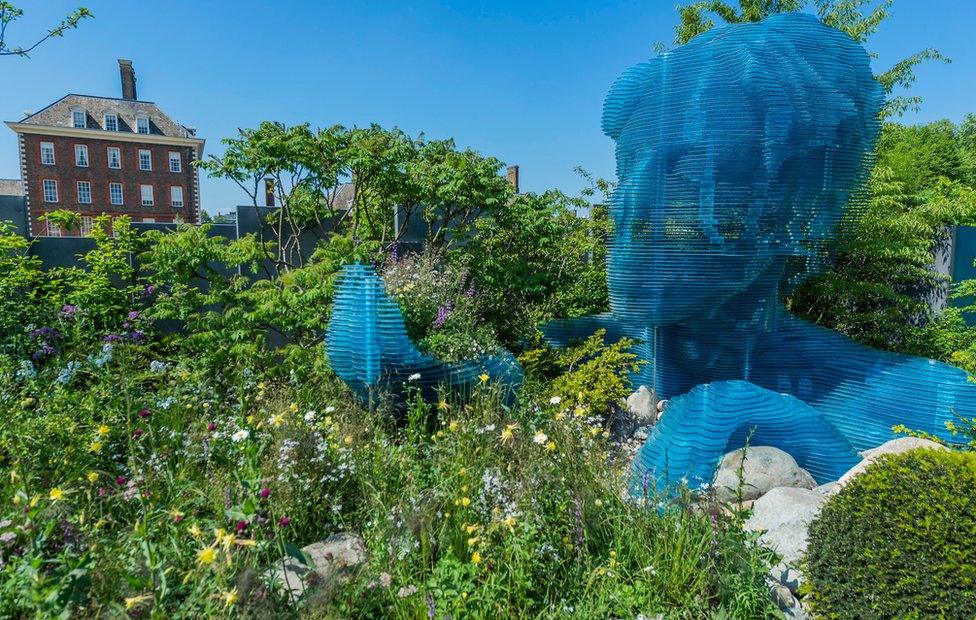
column 128, row 75
column 269, row 194
column 513, row 180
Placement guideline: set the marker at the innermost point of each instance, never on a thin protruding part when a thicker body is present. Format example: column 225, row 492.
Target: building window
column 175, row 162
column 146, row 191
column 53, row 230
column 50, row 190
column 176, row 196
column 114, row 157
column 148, row 220
column 142, row 124
column 85, row 225
column 115, row 193
column 79, row 119
column 111, row 122
column 81, row 155
column 84, row 192
column 47, row 153
column 145, row 160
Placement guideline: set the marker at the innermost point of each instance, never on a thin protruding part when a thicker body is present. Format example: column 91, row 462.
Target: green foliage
column 537, row 259
column 899, row 541
column 10, row 13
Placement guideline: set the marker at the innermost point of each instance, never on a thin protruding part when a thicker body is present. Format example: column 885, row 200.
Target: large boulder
column 764, row 468
column 895, row 446
column 782, row 516
column 327, row 562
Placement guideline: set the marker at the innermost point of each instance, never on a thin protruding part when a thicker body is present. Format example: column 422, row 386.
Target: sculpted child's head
column 734, row 152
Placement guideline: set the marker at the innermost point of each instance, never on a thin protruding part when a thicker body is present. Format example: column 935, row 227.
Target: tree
column 858, row 18
column 10, row 13
column 340, row 181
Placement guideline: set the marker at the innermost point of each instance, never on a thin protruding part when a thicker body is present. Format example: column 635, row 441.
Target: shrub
column 899, row 541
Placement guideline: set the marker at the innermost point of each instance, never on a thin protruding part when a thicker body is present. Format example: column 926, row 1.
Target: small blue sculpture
column 738, row 156
column 368, row 347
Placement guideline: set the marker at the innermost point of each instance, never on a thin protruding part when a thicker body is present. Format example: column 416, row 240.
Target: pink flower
column 136, row 434
column 212, row 427
column 284, row 522
column 240, row 526
column 144, row 413
column 120, row 480
column 264, row 493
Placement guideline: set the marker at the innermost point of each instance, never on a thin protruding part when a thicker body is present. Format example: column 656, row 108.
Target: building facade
column 102, row 155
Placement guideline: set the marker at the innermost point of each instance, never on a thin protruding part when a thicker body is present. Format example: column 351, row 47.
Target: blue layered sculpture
column 368, row 347
column 739, row 156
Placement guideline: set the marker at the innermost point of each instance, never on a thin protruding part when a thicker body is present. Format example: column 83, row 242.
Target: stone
column 765, row 468
column 642, row 405
column 828, row 489
column 782, row 516
column 787, row 603
column 787, row 576
column 895, row 446
column 330, row 561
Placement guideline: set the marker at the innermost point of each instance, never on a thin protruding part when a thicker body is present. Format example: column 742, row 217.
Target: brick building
column 101, row 155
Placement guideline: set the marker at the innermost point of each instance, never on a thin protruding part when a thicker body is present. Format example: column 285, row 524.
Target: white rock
column 895, row 446
column 783, row 516
column 642, row 405
column 329, row 560
column 765, row 468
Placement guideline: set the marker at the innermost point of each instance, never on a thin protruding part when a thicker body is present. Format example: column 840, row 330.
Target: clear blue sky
column 523, row 81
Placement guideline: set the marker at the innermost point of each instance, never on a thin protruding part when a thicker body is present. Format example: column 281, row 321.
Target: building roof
column 58, row 114
column 11, row 187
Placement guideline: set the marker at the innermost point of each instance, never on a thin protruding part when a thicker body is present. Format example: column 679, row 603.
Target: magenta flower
column 284, row 522
column 212, row 427
column 144, row 413
column 240, row 526
column 264, row 493
column 136, row 434
column 120, row 480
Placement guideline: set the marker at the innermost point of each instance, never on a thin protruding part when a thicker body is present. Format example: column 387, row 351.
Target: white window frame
column 45, row 146
column 53, row 229
column 85, row 225
column 115, row 119
column 82, row 151
column 118, row 158
column 53, row 185
column 148, row 220
column 142, row 196
column 84, row 117
column 148, row 154
column 139, row 120
column 111, row 194
column 175, row 157
column 78, row 186
column 173, row 189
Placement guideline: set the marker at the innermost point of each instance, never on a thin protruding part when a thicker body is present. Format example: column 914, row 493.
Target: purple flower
column 212, row 427
column 45, row 333
column 136, row 434
column 120, row 480
column 442, row 313
column 284, row 522
column 240, row 526
column 394, row 252
column 133, row 315
column 112, row 338
column 68, row 311
column 144, row 413
column 149, row 291
column 136, row 336
column 264, row 493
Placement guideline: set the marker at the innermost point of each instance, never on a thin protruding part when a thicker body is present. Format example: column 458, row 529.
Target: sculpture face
column 734, row 153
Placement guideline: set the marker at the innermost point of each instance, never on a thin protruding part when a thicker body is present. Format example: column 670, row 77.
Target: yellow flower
column 56, row 494
column 92, row 476
column 277, row 419
column 594, row 431
column 561, row 415
column 261, row 385
column 230, row 597
column 465, row 501
column 470, row 529
column 348, row 439
column 195, row 531
column 96, row 447
column 443, row 406
column 551, row 446
column 206, row 556
column 293, row 407
column 472, row 541
column 219, row 534
column 509, row 521
column 606, row 434
column 463, row 471
column 476, row 558
column 484, row 377
column 509, row 431
column 34, row 500
column 135, row 601
column 103, row 430
column 249, row 419
column 453, row 426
